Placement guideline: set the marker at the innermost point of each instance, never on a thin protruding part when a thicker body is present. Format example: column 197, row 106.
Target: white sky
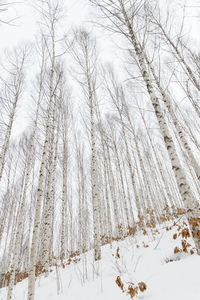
column 78, row 13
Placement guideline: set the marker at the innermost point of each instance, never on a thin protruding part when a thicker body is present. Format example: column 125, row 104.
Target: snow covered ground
column 149, row 259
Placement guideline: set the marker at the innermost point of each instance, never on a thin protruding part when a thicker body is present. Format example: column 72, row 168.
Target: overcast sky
column 78, row 13
column 25, row 27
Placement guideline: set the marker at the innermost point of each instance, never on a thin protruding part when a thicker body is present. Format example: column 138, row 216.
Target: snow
column 142, row 258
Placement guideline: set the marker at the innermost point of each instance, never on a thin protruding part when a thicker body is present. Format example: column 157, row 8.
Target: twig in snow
column 159, row 240
column 137, row 263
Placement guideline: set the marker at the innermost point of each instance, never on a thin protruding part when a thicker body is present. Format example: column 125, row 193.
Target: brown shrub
column 119, row 283
column 185, row 233
column 177, row 250
column 117, row 253
column 132, row 291
column 142, row 286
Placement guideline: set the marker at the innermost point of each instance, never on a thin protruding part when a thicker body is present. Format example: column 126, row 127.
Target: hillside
column 149, row 259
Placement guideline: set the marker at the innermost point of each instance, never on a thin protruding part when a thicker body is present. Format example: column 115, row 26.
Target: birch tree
column 30, row 160
column 65, row 95
column 175, row 45
column 122, row 16
column 13, row 89
column 50, row 16
column 86, row 58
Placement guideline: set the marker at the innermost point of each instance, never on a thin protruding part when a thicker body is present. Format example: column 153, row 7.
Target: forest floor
column 157, row 266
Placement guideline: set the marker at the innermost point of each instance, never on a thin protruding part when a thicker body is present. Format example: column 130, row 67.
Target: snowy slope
column 140, row 258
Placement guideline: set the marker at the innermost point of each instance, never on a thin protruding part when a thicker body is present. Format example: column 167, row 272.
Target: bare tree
column 13, row 89
column 86, row 57
column 4, row 7
column 50, row 13
column 122, row 17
